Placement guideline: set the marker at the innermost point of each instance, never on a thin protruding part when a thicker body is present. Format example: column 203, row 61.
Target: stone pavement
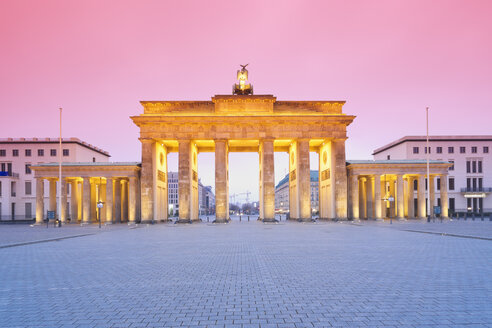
column 248, row 274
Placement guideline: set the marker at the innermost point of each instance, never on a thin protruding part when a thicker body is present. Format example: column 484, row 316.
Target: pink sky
column 387, row 59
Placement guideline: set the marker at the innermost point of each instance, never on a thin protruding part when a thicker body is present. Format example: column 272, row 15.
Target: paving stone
column 247, row 274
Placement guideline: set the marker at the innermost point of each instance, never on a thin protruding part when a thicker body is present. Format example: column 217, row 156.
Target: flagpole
column 427, row 151
column 60, row 171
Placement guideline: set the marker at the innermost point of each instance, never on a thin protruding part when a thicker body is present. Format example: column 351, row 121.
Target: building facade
column 395, row 189
column 116, row 186
column 206, row 198
column 282, row 193
column 470, row 175
column 17, row 182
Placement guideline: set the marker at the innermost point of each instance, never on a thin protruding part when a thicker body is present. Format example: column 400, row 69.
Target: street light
column 100, row 205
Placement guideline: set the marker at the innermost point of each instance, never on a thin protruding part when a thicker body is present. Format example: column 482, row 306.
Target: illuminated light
column 480, row 195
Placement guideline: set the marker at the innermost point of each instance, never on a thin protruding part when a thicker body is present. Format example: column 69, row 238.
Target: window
column 474, row 166
column 3, row 153
column 451, row 183
column 65, row 152
column 451, row 168
column 438, row 183
column 53, row 152
column 0, row 192
column 462, row 150
column 28, row 188
column 93, row 159
column 388, row 157
column 479, row 166
column 427, row 148
column 28, row 211
column 15, row 152
column 485, row 150
column 27, row 152
column 415, row 150
column 451, row 204
column 450, row 150
column 28, row 168
column 40, row 152
column 474, row 150
column 439, row 150
column 468, row 166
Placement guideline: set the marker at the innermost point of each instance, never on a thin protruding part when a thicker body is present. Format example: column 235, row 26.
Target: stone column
column 421, row 196
column 184, row 179
column 410, row 192
column 109, row 200
column 39, row 200
column 221, row 181
column 392, row 191
column 52, row 194
column 146, row 184
column 102, row 197
column 63, row 207
column 432, row 195
column 93, row 201
column 293, row 182
column 132, row 200
column 117, row 200
column 400, row 197
column 377, row 197
column 354, row 185
column 74, row 201
column 304, row 180
column 370, row 197
column 124, row 200
column 340, row 178
column 363, row 198
column 444, row 196
column 268, row 180
column 86, row 201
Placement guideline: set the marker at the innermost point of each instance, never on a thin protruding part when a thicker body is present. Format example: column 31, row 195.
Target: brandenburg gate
column 243, row 122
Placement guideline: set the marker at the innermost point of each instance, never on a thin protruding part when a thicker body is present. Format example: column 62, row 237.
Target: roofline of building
column 92, row 164
column 53, row 141
column 431, row 139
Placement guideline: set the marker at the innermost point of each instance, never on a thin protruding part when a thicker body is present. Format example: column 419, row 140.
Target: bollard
column 208, row 219
column 248, row 218
column 239, row 218
column 482, row 216
column 473, row 216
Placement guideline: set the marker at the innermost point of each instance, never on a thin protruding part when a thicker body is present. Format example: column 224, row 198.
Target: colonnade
column 333, row 201
column 118, row 194
column 376, row 196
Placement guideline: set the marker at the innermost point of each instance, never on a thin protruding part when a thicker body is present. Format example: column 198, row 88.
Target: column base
column 108, row 223
column 85, row 223
column 306, row 220
column 401, row 219
column 265, row 220
column 220, row 221
column 183, row 221
column 148, row 222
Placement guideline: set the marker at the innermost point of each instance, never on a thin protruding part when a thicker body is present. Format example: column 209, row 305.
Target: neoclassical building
column 244, row 123
column 396, row 188
column 117, row 185
column 241, row 122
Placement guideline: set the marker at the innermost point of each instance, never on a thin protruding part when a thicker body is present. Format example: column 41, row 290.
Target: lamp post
column 427, row 151
column 100, row 205
column 60, row 171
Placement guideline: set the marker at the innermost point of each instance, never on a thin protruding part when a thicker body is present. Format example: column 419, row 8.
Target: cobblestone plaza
column 248, row 274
